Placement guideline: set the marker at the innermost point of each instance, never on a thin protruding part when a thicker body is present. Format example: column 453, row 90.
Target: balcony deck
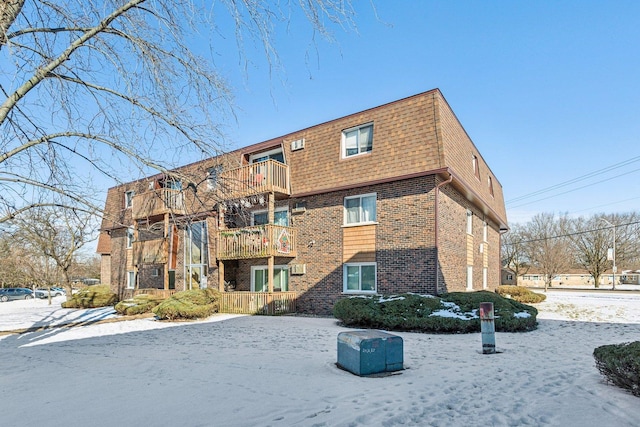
column 150, row 251
column 259, row 241
column 157, row 202
column 256, row 178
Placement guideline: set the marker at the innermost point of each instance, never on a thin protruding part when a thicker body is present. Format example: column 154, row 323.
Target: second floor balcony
column 157, row 202
column 150, row 251
column 259, row 241
column 256, row 178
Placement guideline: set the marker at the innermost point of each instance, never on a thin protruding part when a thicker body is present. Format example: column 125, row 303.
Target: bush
column 193, row 304
column 520, row 294
column 139, row 304
column 92, row 297
column 620, row 364
column 452, row 313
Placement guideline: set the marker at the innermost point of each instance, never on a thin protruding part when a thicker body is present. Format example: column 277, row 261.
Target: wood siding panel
column 359, row 244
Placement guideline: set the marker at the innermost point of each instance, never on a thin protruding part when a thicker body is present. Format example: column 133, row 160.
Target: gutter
column 436, row 225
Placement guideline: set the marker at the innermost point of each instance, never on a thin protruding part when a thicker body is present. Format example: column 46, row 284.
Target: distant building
column 392, row 199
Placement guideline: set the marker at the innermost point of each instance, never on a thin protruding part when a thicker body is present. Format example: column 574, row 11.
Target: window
column 485, row 273
column 469, row 277
column 130, row 237
column 476, row 167
column 469, row 222
column 260, row 280
column 196, row 255
column 131, row 279
column 360, row 277
column 491, row 186
column 213, row 174
column 357, row 140
column 485, row 229
column 281, row 217
column 155, row 272
column 360, row 209
column 128, row 199
column 275, row 154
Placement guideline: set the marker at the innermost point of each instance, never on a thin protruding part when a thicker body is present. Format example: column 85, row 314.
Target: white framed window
column 490, row 182
column 476, row 166
column 260, row 279
column 357, row 140
column 360, row 209
column 469, row 222
column 128, row 199
column 275, row 154
column 485, row 274
column 485, row 229
column 280, row 216
column 359, row 277
column 469, row 277
column 213, row 174
column 155, row 272
column 130, row 237
column 131, row 279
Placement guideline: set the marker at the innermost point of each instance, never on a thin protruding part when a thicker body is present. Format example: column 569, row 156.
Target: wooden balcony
column 150, row 252
column 259, row 241
column 256, row 178
column 268, row 303
column 157, row 202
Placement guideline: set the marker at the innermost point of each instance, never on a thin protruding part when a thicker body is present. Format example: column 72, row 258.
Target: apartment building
column 393, row 199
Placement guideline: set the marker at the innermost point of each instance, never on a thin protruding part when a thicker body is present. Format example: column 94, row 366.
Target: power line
column 577, row 233
column 573, row 181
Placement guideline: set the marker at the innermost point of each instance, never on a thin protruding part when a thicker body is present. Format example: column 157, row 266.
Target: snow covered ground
column 280, row 371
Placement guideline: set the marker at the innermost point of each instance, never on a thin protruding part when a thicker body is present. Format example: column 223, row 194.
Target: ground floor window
column 469, row 277
column 359, row 277
column 260, row 278
column 131, row 279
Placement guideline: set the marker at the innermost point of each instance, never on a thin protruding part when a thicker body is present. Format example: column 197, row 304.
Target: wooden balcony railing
column 268, row 303
column 150, row 252
column 259, row 241
column 256, row 178
column 157, row 202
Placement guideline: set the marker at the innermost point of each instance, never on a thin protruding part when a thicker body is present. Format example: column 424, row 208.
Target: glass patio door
column 259, row 280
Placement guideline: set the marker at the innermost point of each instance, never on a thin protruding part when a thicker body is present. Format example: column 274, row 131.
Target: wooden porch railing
column 156, row 202
column 268, row 303
column 259, row 241
column 256, row 178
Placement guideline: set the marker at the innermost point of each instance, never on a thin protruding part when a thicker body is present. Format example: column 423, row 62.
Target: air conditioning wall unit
column 298, row 144
column 298, row 269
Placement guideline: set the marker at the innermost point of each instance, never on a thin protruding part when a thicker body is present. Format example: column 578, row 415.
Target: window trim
column 266, row 269
column 131, row 284
column 476, row 166
column 469, row 222
column 128, row 201
column 343, row 146
column 359, row 290
column 359, row 196
column 130, row 237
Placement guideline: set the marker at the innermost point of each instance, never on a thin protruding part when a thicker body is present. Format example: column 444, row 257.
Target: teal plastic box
column 370, row 352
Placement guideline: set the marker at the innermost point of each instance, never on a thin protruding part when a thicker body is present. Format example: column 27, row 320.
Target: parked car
column 9, row 294
column 55, row 292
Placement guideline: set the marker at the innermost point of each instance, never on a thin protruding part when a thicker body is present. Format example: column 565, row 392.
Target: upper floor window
column 128, row 199
column 275, row 154
column 357, row 140
column 130, row 237
column 360, row 209
column 469, row 222
column 213, row 174
column 490, row 186
column 476, row 166
column 280, row 217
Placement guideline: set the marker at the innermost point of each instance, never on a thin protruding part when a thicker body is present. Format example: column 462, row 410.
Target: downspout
column 436, row 225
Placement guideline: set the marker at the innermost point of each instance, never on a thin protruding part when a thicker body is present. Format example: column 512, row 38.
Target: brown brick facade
column 419, row 240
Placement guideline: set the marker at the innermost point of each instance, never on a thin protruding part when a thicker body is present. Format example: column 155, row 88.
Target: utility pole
column 613, row 257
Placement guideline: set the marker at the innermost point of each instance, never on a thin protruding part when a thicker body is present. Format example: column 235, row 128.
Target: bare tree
column 514, row 251
column 57, row 235
column 547, row 249
column 91, row 88
column 590, row 239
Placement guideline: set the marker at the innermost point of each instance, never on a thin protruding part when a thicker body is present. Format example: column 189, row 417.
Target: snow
column 232, row 370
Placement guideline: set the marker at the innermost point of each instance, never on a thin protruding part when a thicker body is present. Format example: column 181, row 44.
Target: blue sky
column 548, row 91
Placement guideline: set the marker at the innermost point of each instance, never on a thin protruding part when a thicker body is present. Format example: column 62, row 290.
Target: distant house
column 630, row 277
column 577, row 277
column 392, row 199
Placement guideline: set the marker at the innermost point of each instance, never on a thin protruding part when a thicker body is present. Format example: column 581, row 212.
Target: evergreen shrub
column 92, row 297
column 451, row 313
column 193, row 304
column 139, row 304
column 520, row 294
column 620, row 365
